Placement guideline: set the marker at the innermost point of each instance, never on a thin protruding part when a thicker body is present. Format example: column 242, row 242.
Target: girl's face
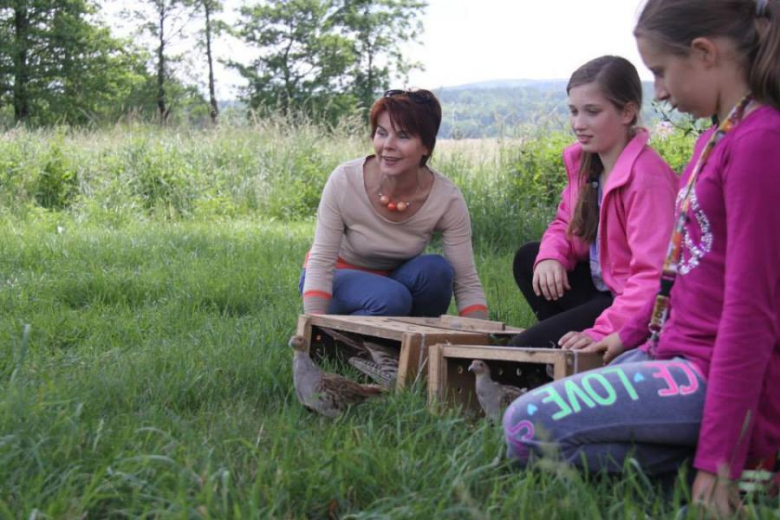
column 396, row 151
column 680, row 80
column 599, row 125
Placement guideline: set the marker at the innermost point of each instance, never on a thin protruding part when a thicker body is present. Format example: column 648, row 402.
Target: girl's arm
column 747, row 332
column 456, row 238
column 636, row 330
column 649, row 208
column 555, row 243
column 318, row 286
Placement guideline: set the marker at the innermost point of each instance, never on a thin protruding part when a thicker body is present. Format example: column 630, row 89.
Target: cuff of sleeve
column 316, row 302
column 317, row 294
column 472, row 311
column 708, row 465
column 565, row 262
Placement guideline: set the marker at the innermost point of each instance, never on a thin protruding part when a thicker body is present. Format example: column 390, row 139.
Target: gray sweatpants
column 648, row 409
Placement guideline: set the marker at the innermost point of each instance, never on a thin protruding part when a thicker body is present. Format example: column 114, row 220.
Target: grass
column 144, row 370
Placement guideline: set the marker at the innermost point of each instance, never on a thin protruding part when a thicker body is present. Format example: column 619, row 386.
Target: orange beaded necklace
column 399, row 206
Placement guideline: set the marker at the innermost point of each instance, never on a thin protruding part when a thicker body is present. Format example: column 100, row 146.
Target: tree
column 6, row 63
column 164, row 23
column 303, row 58
column 57, row 64
column 210, row 28
column 377, row 29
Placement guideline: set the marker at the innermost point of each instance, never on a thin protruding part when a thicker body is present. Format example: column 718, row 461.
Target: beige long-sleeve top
column 350, row 231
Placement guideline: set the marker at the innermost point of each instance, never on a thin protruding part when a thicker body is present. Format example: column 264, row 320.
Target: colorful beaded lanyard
column 674, row 253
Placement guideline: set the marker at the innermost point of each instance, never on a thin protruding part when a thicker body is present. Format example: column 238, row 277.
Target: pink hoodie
column 725, row 304
column 635, row 223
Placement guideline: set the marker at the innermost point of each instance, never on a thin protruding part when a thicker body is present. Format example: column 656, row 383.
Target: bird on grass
column 322, row 392
column 493, row 397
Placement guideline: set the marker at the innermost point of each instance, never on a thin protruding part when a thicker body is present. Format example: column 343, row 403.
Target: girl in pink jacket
column 600, row 259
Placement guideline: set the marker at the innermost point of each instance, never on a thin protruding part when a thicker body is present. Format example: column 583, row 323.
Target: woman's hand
column 718, row 495
column 550, row 279
column 574, row 340
column 612, row 346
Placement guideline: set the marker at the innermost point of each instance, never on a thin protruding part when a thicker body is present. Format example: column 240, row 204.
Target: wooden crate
column 450, row 382
column 412, row 336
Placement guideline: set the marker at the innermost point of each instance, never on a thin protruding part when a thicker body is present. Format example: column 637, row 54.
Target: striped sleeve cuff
column 317, row 294
column 471, row 309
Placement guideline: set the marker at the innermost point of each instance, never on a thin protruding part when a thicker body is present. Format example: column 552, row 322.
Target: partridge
column 385, row 359
column 322, row 392
column 493, row 397
column 383, row 365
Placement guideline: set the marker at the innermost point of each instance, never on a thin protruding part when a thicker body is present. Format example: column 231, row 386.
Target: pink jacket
column 635, row 224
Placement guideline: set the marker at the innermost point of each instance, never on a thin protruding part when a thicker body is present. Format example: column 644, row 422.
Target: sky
column 467, row 41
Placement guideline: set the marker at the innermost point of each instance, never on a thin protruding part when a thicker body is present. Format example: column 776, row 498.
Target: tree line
column 61, row 62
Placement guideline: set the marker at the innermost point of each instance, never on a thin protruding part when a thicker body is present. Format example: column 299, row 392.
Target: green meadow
column 148, row 286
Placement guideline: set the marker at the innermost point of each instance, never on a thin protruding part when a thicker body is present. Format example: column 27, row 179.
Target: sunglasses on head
column 417, row 96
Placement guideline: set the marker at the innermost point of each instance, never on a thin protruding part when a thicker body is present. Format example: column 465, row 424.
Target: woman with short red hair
column 377, row 216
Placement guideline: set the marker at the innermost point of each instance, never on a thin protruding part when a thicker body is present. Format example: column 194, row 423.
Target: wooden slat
column 461, row 323
column 531, row 355
column 435, row 382
column 452, row 324
column 458, row 324
column 304, row 329
column 410, row 347
column 389, row 328
column 425, row 322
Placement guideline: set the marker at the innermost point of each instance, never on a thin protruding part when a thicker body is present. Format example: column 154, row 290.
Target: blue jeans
column 421, row 286
column 648, row 409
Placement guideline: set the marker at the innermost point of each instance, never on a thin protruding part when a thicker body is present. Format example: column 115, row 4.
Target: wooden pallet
column 412, row 336
column 450, row 382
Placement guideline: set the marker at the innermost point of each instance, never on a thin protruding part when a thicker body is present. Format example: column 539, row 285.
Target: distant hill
column 512, row 83
column 505, row 107
column 496, row 108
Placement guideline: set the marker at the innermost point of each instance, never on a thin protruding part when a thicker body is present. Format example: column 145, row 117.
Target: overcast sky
column 467, row 41
column 477, row 40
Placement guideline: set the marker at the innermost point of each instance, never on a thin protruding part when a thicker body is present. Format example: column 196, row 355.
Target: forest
column 62, row 62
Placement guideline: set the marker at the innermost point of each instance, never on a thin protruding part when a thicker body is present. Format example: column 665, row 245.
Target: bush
column 274, row 169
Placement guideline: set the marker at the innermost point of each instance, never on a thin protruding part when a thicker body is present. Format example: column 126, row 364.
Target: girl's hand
column 718, row 496
column 612, row 346
column 550, row 279
column 574, row 341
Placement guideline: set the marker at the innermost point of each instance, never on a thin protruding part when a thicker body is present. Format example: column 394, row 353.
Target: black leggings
column 576, row 310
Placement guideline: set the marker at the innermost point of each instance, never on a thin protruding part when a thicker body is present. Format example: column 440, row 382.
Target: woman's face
column 599, row 125
column 397, row 152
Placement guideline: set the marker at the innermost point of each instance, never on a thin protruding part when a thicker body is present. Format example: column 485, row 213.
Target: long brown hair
column 619, row 82
column 752, row 25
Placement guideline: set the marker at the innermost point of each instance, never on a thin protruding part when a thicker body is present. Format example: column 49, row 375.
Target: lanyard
column 674, row 252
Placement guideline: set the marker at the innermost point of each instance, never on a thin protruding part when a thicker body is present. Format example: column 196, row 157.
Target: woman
column 600, row 257
column 378, row 214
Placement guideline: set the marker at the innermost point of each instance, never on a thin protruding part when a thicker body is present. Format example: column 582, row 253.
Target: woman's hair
column 751, row 24
column 416, row 112
column 619, row 82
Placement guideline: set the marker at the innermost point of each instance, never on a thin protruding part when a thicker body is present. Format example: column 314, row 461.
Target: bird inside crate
column 492, row 385
column 378, row 361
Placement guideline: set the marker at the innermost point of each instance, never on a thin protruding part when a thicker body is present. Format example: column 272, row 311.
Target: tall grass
column 159, row 288
column 270, row 169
